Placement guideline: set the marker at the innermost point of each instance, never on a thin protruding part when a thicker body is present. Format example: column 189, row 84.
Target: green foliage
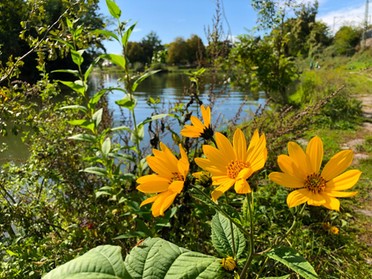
column 293, row 260
column 346, row 40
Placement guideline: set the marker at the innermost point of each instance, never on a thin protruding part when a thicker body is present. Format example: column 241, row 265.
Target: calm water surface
column 170, row 88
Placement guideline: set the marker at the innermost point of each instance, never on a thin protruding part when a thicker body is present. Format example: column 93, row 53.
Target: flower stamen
column 176, row 177
column 234, row 167
column 315, row 183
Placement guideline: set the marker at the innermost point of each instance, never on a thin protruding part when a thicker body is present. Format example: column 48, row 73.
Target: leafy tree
column 178, row 52
column 151, row 44
column 135, row 52
column 196, row 50
column 346, row 40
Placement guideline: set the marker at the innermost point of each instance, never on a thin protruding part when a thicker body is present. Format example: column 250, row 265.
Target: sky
column 170, row 19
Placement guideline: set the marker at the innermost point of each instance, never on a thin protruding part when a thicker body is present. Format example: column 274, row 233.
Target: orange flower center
column 176, row 177
column 235, row 167
column 315, row 183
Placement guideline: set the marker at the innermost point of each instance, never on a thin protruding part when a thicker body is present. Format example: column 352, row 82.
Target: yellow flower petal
column 176, row 187
column 149, row 200
column 257, row 154
column 242, row 186
column 332, row 204
column 315, row 152
column 313, row 198
column 215, row 156
column 299, row 157
column 207, row 165
column 190, row 132
column 240, row 145
column 167, row 202
column 337, row 164
column 286, row 180
column 338, row 194
column 344, row 181
column 152, row 184
column 160, row 166
column 198, row 125
column 225, row 147
column 206, row 114
column 295, row 198
column 218, row 192
column 287, row 165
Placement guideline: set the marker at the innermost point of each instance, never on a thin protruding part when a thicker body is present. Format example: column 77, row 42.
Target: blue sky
column 182, row 18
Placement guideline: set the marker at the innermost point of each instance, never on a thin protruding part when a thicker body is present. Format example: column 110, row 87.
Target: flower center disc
column 235, row 167
column 315, row 183
column 176, row 177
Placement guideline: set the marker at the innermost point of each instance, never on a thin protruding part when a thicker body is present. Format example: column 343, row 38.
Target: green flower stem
column 243, row 273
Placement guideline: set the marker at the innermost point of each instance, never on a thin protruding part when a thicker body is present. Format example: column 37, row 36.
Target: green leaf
column 96, row 170
column 97, row 116
column 95, row 99
column 157, row 258
column 293, row 260
column 84, row 137
column 142, row 78
column 77, row 86
column 152, row 118
column 127, row 102
column 106, row 146
column 73, row 72
column 82, row 108
column 108, row 34
column 281, row 277
column 117, row 59
column 223, row 238
column 128, row 32
column 77, row 56
column 100, row 262
column 83, row 123
column 113, row 9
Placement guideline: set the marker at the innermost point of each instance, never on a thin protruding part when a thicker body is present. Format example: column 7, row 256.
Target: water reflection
column 172, row 88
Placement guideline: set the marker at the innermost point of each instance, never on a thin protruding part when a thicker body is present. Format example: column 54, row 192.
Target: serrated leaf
column 157, row 258
column 293, row 260
column 226, row 240
column 113, row 9
column 106, row 146
column 100, row 262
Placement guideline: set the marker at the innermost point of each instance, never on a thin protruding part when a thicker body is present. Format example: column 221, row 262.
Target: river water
column 170, row 89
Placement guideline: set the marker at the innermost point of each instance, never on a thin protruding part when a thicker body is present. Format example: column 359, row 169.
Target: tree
column 135, row 53
column 178, row 52
column 346, row 40
column 196, row 50
column 151, row 44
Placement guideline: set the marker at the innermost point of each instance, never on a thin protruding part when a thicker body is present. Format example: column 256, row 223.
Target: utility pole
column 364, row 39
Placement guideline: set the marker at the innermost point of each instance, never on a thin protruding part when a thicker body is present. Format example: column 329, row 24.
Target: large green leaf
column 292, row 259
column 113, row 9
column 156, row 258
column 102, row 262
column 226, row 237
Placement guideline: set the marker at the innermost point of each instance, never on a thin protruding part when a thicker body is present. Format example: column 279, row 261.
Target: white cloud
column 353, row 16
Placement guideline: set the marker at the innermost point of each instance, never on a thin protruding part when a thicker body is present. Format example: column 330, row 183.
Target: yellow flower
column 301, row 171
column 168, row 180
column 198, row 129
column 232, row 164
column 334, row 230
column 228, row 263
